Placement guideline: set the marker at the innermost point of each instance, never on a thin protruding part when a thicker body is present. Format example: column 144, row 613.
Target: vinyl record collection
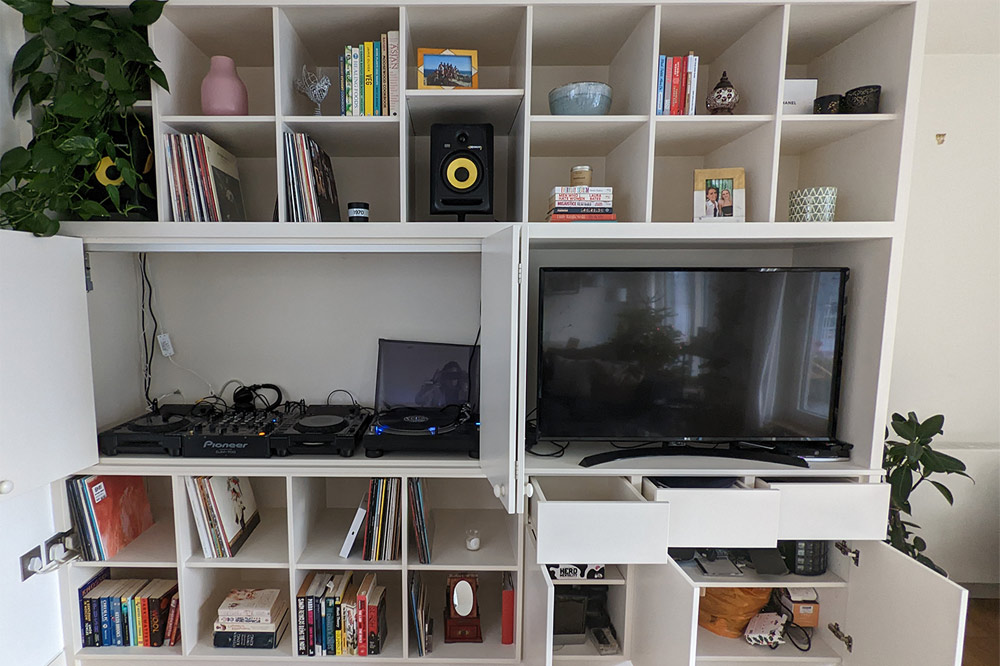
column 310, row 186
column 204, row 180
column 341, row 614
column 108, row 512
column 225, row 513
column 423, row 527
column 420, row 614
column 382, row 520
column 129, row 612
column 251, row 618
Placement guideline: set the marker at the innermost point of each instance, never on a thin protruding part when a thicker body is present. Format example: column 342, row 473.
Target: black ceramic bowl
column 827, row 104
column 862, row 100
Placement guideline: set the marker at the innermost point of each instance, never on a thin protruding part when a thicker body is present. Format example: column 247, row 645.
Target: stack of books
column 369, row 77
column 225, row 512
column 420, row 614
column 129, row 612
column 310, row 187
column 341, row 614
column 382, row 520
column 581, row 204
column 108, row 513
column 204, row 180
column 251, row 618
column 423, row 527
column 677, row 85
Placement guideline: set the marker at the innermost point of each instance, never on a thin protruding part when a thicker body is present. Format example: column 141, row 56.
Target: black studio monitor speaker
column 461, row 169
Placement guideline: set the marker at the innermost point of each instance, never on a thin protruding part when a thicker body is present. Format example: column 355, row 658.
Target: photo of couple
column 719, row 195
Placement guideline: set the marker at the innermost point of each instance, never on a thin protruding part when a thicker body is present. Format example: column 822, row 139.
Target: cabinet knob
column 529, row 490
column 499, row 489
column 6, row 487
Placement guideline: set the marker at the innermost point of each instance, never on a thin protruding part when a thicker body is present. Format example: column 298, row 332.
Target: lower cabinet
column 877, row 607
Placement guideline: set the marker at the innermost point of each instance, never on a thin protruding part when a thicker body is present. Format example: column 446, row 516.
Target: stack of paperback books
column 225, row 512
column 310, row 188
column 251, row 618
column 677, row 85
column 341, row 614
column 129, row 612
column 423, row 527
column 369, row 77
column 581, row 204
column 204, row 181
column 108, row 513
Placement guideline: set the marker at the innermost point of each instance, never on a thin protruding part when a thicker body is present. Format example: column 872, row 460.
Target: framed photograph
column 447, row 69
column 720, row 195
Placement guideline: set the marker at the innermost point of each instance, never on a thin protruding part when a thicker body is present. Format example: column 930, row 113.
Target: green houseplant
column 908, row 464
column 82, row 70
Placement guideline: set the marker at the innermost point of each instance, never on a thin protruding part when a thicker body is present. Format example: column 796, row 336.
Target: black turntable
column 320, row 430
column 158, row 432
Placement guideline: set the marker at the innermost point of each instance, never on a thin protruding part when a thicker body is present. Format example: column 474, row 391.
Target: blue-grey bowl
column 583, row 98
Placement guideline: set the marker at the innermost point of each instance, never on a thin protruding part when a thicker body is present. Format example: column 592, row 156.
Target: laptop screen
column 426, row 374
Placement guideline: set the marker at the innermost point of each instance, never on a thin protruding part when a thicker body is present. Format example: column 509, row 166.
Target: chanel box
column 799, row 96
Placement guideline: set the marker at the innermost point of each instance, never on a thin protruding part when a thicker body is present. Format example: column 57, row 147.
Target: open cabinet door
column 539, row 604
column 899, row 612
column 498, row 361
column 665, row 608
column 44, row 362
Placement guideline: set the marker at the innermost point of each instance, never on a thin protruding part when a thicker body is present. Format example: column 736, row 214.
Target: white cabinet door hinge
column 86, row 272
column 519, row 273
column 846, row 639
column 846, row 550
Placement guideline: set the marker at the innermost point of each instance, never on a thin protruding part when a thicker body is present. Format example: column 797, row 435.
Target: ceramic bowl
column 583, row 98
column 828, row 104
column 862, row 100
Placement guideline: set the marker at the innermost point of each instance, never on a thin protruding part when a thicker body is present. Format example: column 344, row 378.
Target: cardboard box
column 804, row 613
column 799, row 96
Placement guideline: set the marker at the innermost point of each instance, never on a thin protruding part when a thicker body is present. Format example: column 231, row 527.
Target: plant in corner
column 908, row 464
column 82, row 70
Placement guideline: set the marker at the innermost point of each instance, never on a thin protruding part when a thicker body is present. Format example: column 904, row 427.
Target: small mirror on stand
column 461, row 615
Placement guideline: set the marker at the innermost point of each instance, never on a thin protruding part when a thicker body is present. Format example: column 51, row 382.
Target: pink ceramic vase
column 222, row 92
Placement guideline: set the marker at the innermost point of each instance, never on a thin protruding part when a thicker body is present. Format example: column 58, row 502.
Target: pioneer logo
column 209, row 444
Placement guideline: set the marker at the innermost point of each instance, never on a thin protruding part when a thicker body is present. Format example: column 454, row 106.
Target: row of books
column 341, row 614
column 225, row 512
column 677, row 85
column 251, row 618
column 108, row 513
column 203, row 179
column 581, row 204
column 129, row 612
column 423, row 527
column 369, row 77
column 310, row 187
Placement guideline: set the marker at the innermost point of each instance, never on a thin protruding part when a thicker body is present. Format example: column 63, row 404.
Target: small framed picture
column 720, row 195
column 447, row 69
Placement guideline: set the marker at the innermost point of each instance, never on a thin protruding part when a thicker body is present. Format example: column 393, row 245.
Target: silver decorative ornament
column 313, row 87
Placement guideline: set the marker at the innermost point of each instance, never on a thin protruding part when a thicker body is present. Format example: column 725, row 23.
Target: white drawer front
column 619, row 527
column 831, row 510
column 719, row 517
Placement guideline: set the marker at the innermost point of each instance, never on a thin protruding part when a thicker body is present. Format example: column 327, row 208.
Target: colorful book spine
column 582, row 218
column 667, row 94
column 693, row 87
column 245, row 639
column 682, row 108
column 356, row 69
column 369, row 78
column 349, row 80
column 171, row 619
column 566, row 199
column 675, row 87
column 581, row 189
column 577, row 210
column 392, row 38
column 384, row 64
column 661, row 75
column 342, row 85
column 87, row 615
column 377, row 78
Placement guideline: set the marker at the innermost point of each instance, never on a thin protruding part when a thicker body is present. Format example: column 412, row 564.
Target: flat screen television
column 690, row 355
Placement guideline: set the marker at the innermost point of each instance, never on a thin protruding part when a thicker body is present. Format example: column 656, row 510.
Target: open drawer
column 597, row 520
column 737, row 517
column 830, row 508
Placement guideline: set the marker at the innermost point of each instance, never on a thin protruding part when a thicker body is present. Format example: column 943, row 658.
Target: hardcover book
column 259, row 604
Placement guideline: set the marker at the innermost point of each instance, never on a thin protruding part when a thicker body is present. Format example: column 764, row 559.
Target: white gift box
column 799, row 96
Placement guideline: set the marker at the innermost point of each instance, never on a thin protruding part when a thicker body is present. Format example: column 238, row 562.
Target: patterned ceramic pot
column 828, row 104
column 723, row 98
column 813, row 204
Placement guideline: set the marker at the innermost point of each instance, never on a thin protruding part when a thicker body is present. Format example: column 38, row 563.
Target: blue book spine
column 660, row 81
column 116, row 620
column 105, row 622
column 127, row 627
column 377, row 76
column 361, row 88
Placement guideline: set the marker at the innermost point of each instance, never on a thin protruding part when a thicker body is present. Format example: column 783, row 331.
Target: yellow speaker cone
column 102, row 172
column 470, row 176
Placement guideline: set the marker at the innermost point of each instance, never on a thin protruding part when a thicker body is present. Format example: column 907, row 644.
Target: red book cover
column 507, row 617
column 684, row 85
column 366, row 588
column 587, row 217
column 675, row 88
column 121, row 510
column 144, row 601
column 171, row 620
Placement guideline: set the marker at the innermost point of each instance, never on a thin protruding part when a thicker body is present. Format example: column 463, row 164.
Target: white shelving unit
column 302, row 306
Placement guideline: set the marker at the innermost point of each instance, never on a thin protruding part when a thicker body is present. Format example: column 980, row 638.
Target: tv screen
column 690, row 354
